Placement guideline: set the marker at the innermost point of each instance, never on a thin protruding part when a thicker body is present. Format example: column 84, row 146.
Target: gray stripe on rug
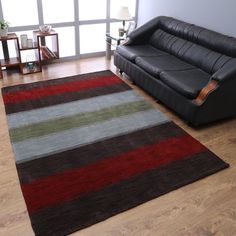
column 62, row 141
column 19, row 119
column 76, row 121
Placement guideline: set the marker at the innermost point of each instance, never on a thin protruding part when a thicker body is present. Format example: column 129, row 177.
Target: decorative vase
column 3, row 32
column 24, row 40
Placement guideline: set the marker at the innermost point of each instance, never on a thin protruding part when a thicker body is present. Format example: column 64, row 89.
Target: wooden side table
column 112, row 40
column 48, row 44
column 44, row 48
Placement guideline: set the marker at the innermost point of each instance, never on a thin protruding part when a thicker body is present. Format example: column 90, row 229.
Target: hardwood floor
column 206, row 207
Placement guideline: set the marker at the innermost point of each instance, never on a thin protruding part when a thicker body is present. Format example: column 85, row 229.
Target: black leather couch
column 190, row 69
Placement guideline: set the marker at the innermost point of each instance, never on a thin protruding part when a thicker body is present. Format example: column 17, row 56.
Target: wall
column 217, row 15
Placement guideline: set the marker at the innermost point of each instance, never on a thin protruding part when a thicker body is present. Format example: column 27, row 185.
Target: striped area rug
column 88, row 147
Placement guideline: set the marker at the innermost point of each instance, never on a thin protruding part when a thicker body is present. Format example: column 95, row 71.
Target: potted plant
column 4, row 25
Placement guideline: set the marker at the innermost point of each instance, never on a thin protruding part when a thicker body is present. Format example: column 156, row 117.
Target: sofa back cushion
column 206, row 59
column 207, row 38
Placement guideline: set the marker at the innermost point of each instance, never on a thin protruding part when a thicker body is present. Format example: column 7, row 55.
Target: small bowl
column 45, row 28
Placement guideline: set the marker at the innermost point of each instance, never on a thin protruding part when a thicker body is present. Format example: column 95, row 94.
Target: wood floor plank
column 206, row 207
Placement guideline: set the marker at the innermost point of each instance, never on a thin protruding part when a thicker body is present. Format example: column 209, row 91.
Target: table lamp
column 123, row 14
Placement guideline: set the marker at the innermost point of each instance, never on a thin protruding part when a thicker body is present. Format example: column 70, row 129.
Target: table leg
column 108, row 49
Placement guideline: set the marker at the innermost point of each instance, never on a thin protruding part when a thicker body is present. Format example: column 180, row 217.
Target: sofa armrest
column 228, row 71
column 125, row 42
column 209, row 88
column 225, row 73
column 142, row 34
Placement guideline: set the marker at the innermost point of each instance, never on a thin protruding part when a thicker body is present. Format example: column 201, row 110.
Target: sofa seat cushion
column 131, row 52
column 187, row 82
column 156, row 65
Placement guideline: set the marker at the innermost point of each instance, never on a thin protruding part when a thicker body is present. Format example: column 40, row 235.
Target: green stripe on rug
column 26, row 118
column 57, row 125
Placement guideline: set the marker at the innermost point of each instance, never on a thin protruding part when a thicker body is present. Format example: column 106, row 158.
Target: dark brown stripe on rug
column 64, row 98
column 49, row 165
column 100, row 205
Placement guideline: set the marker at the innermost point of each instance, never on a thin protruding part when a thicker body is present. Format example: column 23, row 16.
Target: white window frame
column 76, row 23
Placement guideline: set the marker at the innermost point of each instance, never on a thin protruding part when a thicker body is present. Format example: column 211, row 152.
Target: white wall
column 218, row 15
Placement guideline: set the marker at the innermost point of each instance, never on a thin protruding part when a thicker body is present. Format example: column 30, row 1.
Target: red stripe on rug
column 73, row 183
column 36, row 93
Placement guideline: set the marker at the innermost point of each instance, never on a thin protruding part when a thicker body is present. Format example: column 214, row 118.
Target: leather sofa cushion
column 197, row 55
column 156, row 65
column 131, row 52
column 187, row 82
column 207, row 38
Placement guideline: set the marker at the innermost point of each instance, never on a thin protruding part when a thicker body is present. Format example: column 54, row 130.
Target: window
column 97, row 11
column 81, row 24
column 20, row 13
column 92, row 38
column 11, row 47
column 66, row 37
column 114, row 28
column 55, row 11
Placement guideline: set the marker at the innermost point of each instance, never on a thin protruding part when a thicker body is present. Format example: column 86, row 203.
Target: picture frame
column 131, row 27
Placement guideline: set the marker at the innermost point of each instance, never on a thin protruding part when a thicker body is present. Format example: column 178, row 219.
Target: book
column 47, row 53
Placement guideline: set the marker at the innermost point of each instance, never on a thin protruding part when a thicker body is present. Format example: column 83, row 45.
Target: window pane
column 66, row 37
column 92, row 38
column 29, row 55
column 11, row 44
column 19, row 13
column 97, row 11
column 55, row 11
column 114, row 28
column 1, row 52
column 11, row 49
column 115, row 4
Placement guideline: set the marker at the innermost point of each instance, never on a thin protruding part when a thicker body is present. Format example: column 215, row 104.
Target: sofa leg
column 121, row 72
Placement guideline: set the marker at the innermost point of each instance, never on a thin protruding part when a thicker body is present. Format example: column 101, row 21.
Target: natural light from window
column 81, row 24
column 20, row 13
column 66, row 41
column 55, row 11
column 92, row 38
column 92, row 9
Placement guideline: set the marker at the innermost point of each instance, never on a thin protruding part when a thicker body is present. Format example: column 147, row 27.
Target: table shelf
column 14, row 61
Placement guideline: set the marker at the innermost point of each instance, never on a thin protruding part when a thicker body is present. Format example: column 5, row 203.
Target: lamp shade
column 123, row 14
